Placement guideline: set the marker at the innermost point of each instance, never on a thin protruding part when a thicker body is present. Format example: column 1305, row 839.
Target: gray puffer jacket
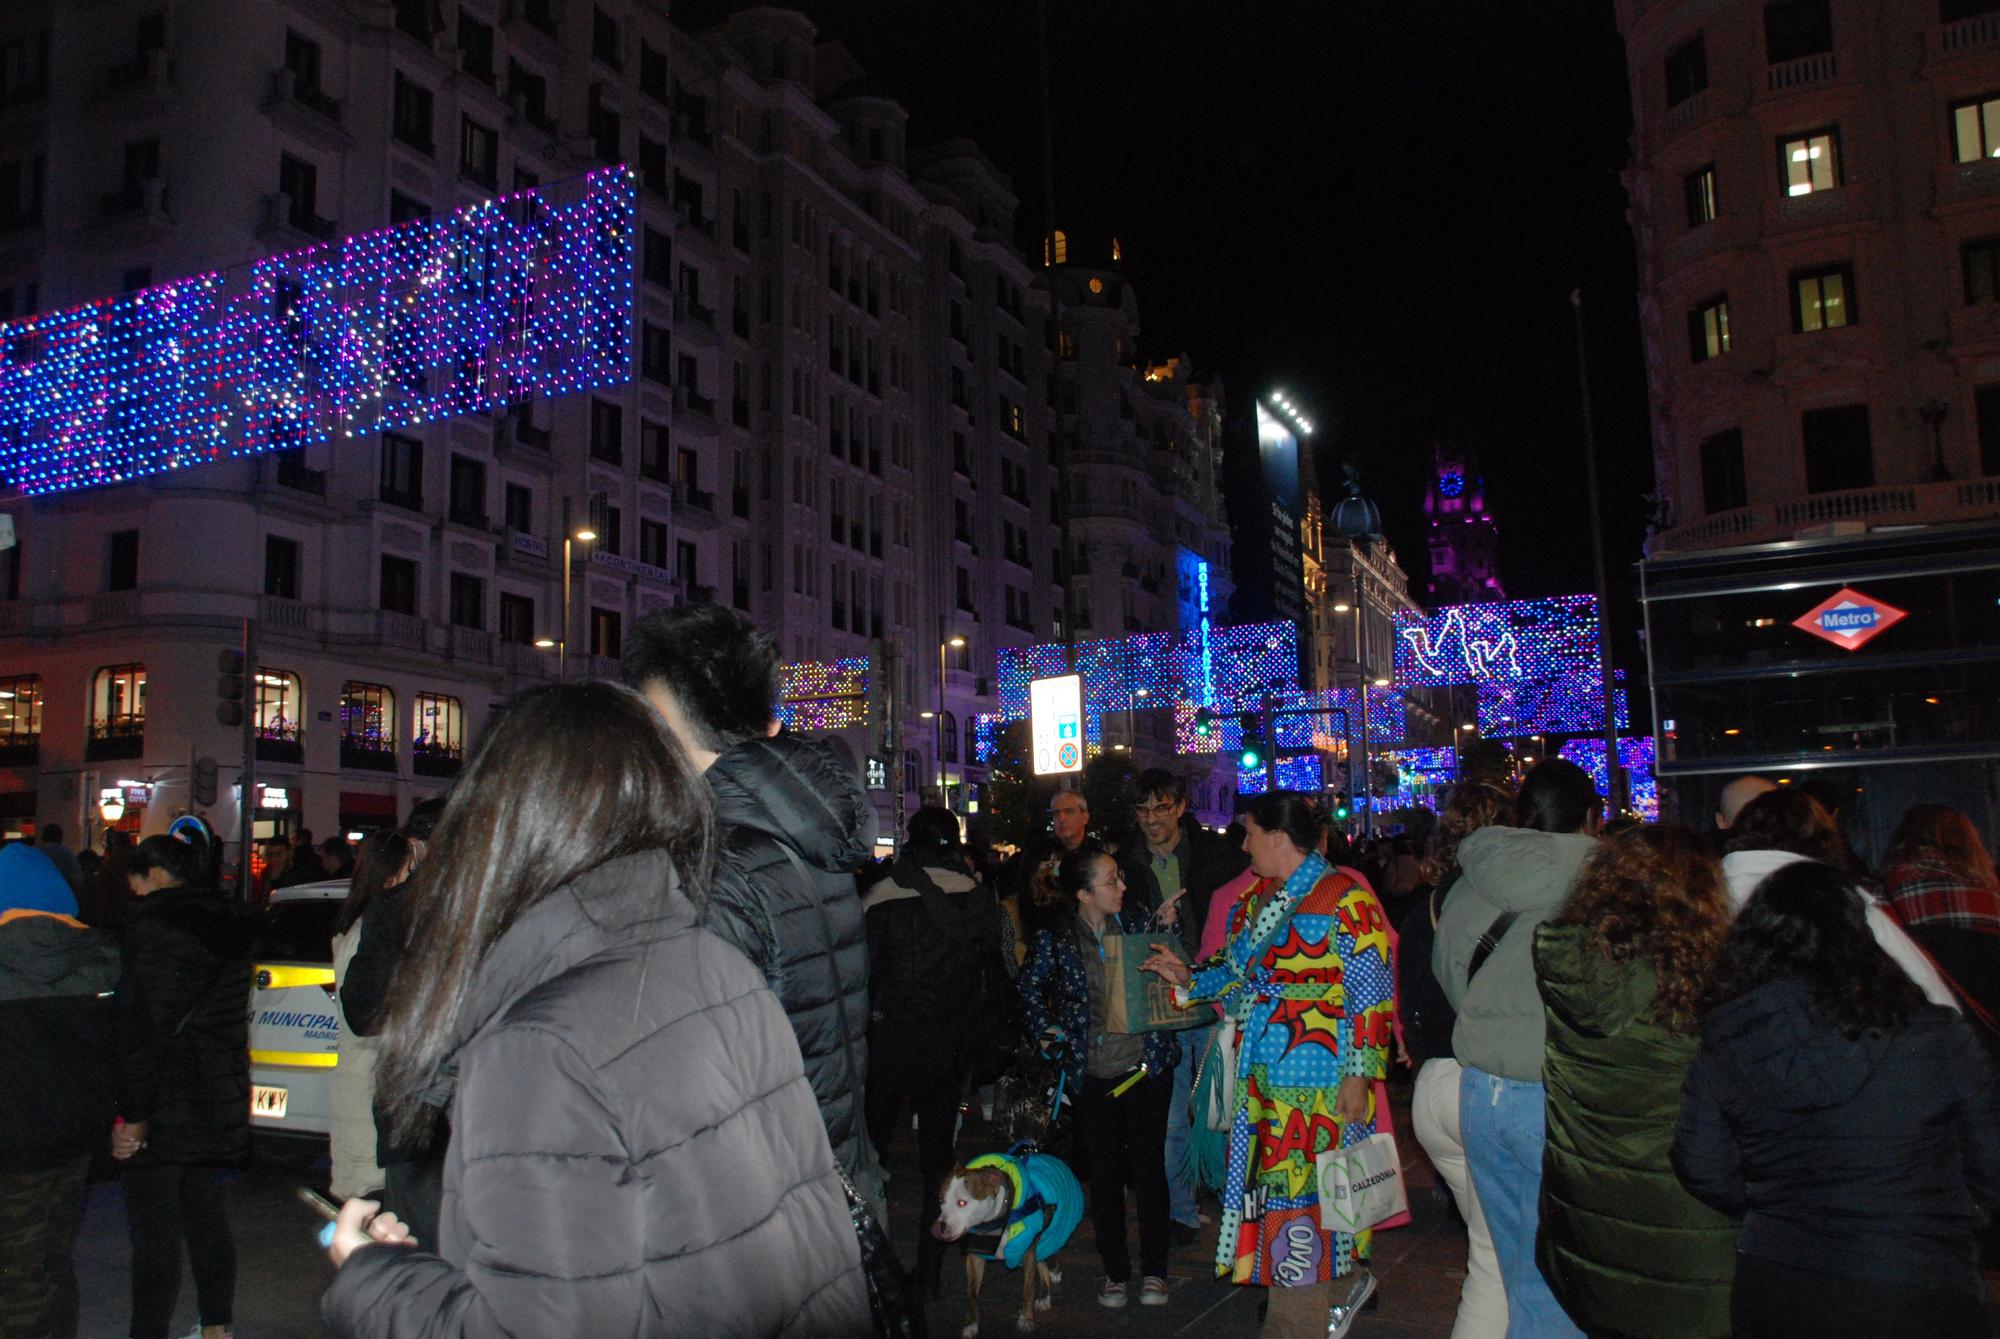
column 634, row 1148
column 798, row 916
column 1501, row 1027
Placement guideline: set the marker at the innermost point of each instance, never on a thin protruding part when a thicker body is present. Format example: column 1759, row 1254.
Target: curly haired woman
column 1624, row 1248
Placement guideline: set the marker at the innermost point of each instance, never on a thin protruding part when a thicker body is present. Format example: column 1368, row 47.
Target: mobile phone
column 318, row 1203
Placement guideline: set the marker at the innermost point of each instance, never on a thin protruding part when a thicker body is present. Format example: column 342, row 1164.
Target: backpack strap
column 1489, row 941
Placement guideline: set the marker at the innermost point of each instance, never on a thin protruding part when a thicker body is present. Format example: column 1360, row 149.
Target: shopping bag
column 1361, row 1185
column 1139, row 1000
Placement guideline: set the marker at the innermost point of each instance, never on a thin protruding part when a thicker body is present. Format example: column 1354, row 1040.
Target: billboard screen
column 1278, row 449
column 1055, row 719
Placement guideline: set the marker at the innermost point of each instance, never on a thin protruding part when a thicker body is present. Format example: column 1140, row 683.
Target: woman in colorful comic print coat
column 1306, row 976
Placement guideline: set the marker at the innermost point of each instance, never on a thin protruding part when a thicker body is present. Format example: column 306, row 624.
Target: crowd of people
column 626, row 1040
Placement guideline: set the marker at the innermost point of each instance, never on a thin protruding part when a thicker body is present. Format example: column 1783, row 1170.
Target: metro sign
column 1849, row 619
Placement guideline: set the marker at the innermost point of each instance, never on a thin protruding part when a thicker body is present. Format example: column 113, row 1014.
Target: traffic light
column 1342, row 810
column 1252, row 756
column 229, row 687
column 203, row 788
column 1204, row 722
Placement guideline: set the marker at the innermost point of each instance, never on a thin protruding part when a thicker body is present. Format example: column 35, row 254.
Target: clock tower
column 1464, row 537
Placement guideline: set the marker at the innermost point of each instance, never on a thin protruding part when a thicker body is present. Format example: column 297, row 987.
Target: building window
column 1823, row 299
column 1810, row 162
column 1838, row 451
column 655, row 451
column 21, row 720
column 518, row 507
column 687, row 564
column 1687, row 70
column 399, row 585
column 517, row 619
column 117, row 713
column 478, row 153
column 653, row 72
column 656, row 264
column 1975, row 129
column 468, row 491
column 1699, row 189
column 121, row 560
column 1795, row 29
column 1980, row 261
column 1723, row 487
column 604, row 43
column 948, row 736
column 653, row 543
column 280, row 705
column 607, row 431
column 656, row 355
column 606, row 632
column 964, row 590
column 1986, row 408
column 1708, row 332
column 475, row 47
column 403, row 471
column 281, row 567
column 367, row 726
column 403, row 208
column 437, row 741
column 298, row 182
column 411, row 117
column 468, row 601
column 1953, row 11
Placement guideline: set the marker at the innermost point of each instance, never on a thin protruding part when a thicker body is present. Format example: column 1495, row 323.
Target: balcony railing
column 286, row 88
column 1802, row 73
column 147, row 198
column 436, row 759
column 1684, row 113
column 1977, row 31
column 1891, row 504
column 368, row 755
column 115, row 741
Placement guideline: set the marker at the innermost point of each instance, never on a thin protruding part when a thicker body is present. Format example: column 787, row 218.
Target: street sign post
column 1055, row 715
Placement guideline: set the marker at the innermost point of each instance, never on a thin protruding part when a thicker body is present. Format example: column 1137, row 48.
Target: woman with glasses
column 1307, row 980
column 1123, row 1081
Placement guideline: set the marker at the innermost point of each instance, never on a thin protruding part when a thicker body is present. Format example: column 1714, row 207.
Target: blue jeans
column 1504, row 1125
column 1180, row 1186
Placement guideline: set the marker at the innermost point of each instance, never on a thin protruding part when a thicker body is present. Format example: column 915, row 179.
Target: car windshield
column 299, row 931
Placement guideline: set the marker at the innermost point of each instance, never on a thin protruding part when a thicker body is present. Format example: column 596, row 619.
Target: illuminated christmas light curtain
column 1635, row 755
column 824, row 694
column 524, row 295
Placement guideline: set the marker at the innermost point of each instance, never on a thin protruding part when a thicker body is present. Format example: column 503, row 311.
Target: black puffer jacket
column 799, row 919
column 183, row 1024
column 58, row 1039
column 1876, row 1158
column 634, row 1147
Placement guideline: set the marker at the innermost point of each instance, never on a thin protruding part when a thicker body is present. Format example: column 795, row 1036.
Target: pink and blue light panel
column 524, row 295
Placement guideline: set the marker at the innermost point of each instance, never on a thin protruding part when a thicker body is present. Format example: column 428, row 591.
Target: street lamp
column 945, row 643
column 581, row 534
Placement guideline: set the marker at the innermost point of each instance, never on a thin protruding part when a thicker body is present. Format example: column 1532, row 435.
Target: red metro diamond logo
column 1849, row 619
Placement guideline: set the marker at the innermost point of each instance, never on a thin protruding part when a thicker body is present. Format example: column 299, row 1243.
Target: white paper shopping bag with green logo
column 1361, row 1185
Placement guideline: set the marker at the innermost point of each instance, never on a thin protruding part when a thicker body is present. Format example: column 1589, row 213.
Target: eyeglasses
column 1153, row 810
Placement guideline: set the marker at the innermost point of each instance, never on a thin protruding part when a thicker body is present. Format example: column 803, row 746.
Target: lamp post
column 945, row 644
column 572, row 535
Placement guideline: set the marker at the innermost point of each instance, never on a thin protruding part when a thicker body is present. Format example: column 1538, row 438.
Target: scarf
column 1926, row 891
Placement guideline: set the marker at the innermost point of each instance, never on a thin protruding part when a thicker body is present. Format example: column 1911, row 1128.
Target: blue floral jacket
column 1055, row 993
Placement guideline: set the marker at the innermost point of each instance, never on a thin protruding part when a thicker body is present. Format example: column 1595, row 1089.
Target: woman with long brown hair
column 1427, row 1018
column 1621, row 970
column 1940, row 883
column 634, row 1147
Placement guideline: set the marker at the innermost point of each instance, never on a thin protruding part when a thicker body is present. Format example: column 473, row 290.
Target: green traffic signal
column 1251, row 759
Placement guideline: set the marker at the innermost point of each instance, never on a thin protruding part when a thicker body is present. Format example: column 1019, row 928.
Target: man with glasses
column 1187, row 864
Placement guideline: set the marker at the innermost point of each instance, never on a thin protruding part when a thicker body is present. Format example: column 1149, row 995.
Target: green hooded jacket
column 1624, row 1248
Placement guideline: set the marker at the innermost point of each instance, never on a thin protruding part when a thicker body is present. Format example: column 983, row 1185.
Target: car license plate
column 268, row 1103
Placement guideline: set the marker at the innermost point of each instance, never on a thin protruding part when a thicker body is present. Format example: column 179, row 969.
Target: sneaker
column 1359, row 1294
column 1153, row 1291
column 1111, row 1294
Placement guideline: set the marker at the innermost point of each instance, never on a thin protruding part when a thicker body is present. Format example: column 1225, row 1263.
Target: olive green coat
column 1625, row 1249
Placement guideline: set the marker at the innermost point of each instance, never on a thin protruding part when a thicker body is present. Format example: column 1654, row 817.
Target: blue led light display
column 520, row 296
column 1571, row 704
column 1635, row 755
column 1551, row 638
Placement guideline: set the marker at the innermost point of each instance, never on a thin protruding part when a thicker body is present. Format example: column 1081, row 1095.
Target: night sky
column 1379, row 207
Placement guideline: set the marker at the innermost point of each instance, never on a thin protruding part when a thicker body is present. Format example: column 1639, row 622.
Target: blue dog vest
column 1040, row 1182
